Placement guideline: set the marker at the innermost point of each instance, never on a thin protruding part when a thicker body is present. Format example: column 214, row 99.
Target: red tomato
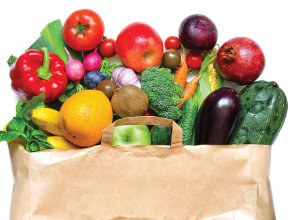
column 172, row 42
column 194, row 60
column 83, row 30
column 108, row 48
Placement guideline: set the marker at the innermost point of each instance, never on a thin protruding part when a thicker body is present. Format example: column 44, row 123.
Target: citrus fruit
column 83, row 116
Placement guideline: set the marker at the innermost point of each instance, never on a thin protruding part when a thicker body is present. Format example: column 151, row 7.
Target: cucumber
column 187, row 120
column 160, row 135
column 264, row 109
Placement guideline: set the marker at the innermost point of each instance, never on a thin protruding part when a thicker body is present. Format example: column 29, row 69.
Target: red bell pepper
column 38, row 71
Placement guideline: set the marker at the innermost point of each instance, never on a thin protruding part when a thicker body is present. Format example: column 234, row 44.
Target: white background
column 267, row 22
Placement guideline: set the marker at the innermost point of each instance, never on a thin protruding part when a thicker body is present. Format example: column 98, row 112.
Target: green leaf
column 44, row 145
column 10, row 135
column 107, row 68
column 203, row 88
column 19, row 109
column 35, row 102
column 32, row 146
column 62, row 98
column 16, row 124
column 52, row 33
column 12, row 59
column 37, row 134
column 40, row 43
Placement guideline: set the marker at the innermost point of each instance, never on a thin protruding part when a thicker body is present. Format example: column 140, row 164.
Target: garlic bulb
column 124, row 76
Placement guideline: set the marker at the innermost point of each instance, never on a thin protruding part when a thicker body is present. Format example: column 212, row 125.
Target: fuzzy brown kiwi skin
column 129, row 101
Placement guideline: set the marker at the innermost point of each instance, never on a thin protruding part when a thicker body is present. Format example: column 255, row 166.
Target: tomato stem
column 80, row 28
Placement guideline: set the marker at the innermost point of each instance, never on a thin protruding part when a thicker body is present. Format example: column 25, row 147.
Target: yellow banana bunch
column 46, row 119
column 60, row 142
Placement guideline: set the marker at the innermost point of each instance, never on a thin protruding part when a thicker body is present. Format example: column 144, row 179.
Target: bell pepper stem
column 43, row 71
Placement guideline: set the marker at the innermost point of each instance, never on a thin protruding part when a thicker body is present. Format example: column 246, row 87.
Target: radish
column 92, row 61
column 74, row 69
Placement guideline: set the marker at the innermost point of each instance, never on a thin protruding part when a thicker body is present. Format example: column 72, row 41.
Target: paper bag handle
column 176, row 137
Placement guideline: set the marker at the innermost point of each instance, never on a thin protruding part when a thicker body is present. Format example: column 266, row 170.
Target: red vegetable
column 240, row 60
column 198, row 32
column 83, row 30
column 108, row 48
column 194, row 60
column 172, row 42
column 92, row 61
column 38, row 71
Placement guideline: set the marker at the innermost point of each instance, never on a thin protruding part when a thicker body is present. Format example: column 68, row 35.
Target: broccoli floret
column 163, row 93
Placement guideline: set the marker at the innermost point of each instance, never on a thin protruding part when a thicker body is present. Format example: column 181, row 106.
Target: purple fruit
column 198, row 32
column 93, row 78
column 217, row 117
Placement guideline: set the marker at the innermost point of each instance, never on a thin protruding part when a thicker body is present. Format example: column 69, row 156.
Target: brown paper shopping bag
column 151, row 182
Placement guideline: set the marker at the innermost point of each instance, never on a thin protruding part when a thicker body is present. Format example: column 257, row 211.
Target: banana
column 46, row 119
column 60, row 142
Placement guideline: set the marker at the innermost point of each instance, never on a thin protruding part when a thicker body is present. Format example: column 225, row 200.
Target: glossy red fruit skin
column 240, row 60
column 139, row 46
column 172, row 42
column 194, row 60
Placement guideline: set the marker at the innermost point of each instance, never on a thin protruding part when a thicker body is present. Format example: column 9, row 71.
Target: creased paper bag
column 225, row 182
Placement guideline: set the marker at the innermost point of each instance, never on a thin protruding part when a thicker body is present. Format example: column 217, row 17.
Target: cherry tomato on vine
column 172, row 42
column 194, row 60
column 83, row 30
column 107, row 48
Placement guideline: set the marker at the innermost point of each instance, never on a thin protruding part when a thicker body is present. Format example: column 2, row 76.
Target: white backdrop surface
column 267, row 22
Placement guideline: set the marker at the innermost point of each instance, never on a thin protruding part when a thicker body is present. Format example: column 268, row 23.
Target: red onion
column 198, row 32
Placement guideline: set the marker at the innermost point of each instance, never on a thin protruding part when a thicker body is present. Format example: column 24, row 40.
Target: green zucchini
column 187, row 120
column 160, row 135
column 264, row 109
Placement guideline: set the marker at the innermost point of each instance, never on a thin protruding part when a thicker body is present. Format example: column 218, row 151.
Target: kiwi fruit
column 129, row 101
column 108, row 87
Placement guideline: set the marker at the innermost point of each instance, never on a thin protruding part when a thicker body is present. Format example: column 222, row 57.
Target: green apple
column 130, row 135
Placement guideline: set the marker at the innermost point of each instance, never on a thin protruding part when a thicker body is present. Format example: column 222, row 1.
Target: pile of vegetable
column 180, row 78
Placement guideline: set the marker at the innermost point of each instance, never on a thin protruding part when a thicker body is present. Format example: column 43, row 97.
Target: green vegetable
column 12, row 59
column 51, row 37
column 188, row 119
column 107, row 68
column 210, row 79
column 160, row 135
column 264, row 109
column 163, row 93
column 21, row 127
column 71, row 89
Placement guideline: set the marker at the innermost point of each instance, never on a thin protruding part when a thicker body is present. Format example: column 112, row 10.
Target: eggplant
column 217, row 117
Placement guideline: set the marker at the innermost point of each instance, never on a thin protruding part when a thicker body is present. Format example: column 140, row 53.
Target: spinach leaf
column 11, row 135
column 21, row 127
column 35, row 102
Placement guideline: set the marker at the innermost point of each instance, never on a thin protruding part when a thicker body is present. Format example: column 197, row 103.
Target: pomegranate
column 240, row 60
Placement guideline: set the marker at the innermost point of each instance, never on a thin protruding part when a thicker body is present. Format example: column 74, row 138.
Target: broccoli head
column 163, row 93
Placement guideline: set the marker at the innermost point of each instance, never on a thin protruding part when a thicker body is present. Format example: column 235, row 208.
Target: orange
column 83, row 116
